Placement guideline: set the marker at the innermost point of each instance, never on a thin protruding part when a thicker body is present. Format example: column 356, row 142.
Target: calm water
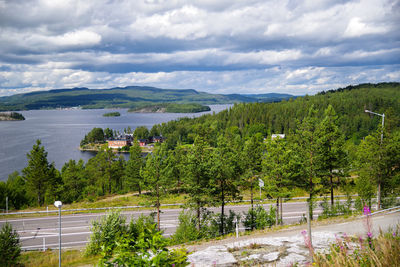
column 62, row 130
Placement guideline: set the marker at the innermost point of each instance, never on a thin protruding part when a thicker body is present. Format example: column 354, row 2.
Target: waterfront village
column 126, row 140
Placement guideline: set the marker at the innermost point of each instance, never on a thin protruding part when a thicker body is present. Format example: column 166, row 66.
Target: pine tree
column 280, row 166
column 331, row 158
column 38, row 173
column 133, row 179
column 225, row 176
column 251, row 160
column 307, row 150
column 198, row 176
column 156, row 175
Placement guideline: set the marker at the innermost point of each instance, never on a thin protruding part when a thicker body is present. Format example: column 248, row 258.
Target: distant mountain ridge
column 123, row 97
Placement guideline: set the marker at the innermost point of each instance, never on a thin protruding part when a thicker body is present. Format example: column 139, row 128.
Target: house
column 143, row 142
column 119, row 143
column 157, row 139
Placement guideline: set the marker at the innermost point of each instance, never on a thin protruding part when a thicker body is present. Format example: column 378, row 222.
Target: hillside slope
column 126, row 97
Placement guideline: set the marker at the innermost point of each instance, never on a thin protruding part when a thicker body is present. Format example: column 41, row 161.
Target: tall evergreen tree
column 38, row 173
column 331, row 158
column 307, row 150
column 225, row 176
column 378, row 162
column 133, row 179
column 280, row 166
column 251, row 160
column 198, row 176
column 74, row 180
column 156, row 175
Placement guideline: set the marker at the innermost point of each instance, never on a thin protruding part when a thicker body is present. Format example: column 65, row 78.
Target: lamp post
column 58, row 204
column 379, row 183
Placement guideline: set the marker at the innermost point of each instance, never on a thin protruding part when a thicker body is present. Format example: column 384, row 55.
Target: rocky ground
column 286, row 247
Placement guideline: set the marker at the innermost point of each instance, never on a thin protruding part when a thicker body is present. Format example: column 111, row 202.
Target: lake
column 62, row 130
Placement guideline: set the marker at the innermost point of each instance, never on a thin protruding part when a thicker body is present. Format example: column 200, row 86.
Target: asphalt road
column 42, row 232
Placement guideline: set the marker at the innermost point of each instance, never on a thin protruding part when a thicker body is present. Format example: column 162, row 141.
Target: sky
column 216, row 46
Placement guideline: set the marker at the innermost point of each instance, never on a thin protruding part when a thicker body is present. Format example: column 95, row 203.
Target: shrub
column 10, row 249
column 143, row 245
column 259, row 218
column 186, row 230
column 105, row 232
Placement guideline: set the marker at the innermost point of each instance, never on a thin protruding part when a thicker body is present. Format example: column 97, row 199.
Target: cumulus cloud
column 217, row 46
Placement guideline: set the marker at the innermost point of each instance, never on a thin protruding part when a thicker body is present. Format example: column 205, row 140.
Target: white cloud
column 240, row 46
column 357, row 28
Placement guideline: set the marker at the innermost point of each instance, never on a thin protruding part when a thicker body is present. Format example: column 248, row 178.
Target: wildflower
column 369, row 234
column 367, row 211
column 394, row 234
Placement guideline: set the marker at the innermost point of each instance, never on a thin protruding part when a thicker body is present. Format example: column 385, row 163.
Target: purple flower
column 369, row 234
column 304, row 232
column 367, row 211
column 394, row 234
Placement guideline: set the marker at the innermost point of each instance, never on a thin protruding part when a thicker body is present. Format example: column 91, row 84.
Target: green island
column 319, row 146
column 112, row 114
column 171, row 108
column 11, row 116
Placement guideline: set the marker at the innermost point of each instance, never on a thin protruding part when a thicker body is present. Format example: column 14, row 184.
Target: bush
column 259, row 218
column 105, row 232
column 10, row 249
column 142, row 245
column 186, row 230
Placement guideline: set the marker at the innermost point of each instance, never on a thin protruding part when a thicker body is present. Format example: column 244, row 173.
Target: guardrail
column 147, row 206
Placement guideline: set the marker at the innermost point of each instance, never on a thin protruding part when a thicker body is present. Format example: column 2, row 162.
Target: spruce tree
column 38, row 173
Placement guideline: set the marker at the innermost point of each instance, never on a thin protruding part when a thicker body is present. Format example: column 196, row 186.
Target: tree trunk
column 332, row 199
column 252, row 206
column 140, row 189
column 198, row 216
column 158, row 208
column 222, row 210
column 379, row 195
column 277, row 211
column 281, row 212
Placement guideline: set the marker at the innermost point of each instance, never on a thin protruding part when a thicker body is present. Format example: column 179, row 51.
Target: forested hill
column 349, row 104
column 126, row 97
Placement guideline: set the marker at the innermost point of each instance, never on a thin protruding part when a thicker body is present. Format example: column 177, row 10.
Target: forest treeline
column 330, row 143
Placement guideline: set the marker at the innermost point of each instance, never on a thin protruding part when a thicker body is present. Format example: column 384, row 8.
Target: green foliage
column 141, row 132
column 329, row 210
column 259, row 218
column 112, row 114
column 10, row 248
column 41, row 177
column 133, row 178
column 157, row 176
column 105, row 232
column 172, row 108
column 140, row 244
column 186, row 230
column 74, row 177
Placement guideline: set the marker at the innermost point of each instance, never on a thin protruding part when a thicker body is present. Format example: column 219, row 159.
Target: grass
column 381, row 251
column 49, row 258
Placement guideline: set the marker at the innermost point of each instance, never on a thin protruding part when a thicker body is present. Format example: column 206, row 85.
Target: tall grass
column 50, row 258
column 381, row 251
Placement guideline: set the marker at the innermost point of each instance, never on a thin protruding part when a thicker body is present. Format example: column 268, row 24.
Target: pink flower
column 367, row 211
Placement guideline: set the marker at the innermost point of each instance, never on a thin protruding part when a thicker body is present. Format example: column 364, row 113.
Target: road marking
column 55, row 234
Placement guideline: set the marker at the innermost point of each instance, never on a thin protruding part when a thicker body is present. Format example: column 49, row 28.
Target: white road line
column 55, row 234
column 56, row 244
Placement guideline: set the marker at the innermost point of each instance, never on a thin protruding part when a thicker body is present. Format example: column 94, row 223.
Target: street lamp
column 58, row 204
column 383, row 125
